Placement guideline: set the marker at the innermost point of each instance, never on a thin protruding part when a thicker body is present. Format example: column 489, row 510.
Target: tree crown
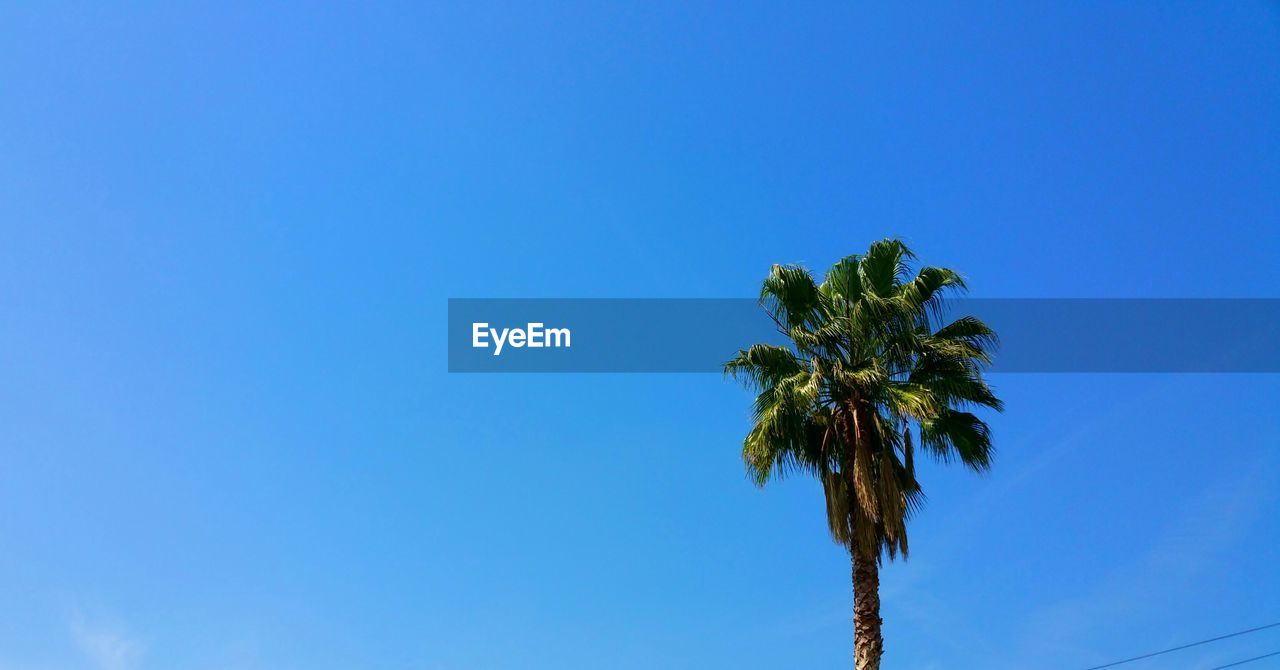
column 873, row 370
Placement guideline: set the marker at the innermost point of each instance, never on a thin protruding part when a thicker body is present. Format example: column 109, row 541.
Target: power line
column 1193, row 644
column 1247, row 660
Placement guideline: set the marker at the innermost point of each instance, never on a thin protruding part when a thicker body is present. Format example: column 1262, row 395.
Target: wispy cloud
column 1211, row 526
column 107, row 648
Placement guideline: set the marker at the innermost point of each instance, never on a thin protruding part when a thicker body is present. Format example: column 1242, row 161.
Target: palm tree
column 872, row 372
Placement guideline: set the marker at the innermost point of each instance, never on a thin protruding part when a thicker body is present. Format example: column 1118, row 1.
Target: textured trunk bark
column 868, row 645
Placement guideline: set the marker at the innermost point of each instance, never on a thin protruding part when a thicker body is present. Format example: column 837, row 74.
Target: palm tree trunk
column 868, row 645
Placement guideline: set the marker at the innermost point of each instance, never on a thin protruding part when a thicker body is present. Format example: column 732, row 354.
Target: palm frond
column 790, row 297
column 958, row 436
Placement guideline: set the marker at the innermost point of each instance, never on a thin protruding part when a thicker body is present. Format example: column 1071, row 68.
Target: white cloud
column 106, row 648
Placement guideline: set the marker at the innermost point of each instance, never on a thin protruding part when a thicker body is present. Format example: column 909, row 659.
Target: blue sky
column 228, row 232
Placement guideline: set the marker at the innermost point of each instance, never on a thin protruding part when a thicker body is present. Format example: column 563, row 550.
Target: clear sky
column 228, row 232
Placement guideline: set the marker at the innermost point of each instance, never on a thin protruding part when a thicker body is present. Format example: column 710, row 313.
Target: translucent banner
column 699, row 335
